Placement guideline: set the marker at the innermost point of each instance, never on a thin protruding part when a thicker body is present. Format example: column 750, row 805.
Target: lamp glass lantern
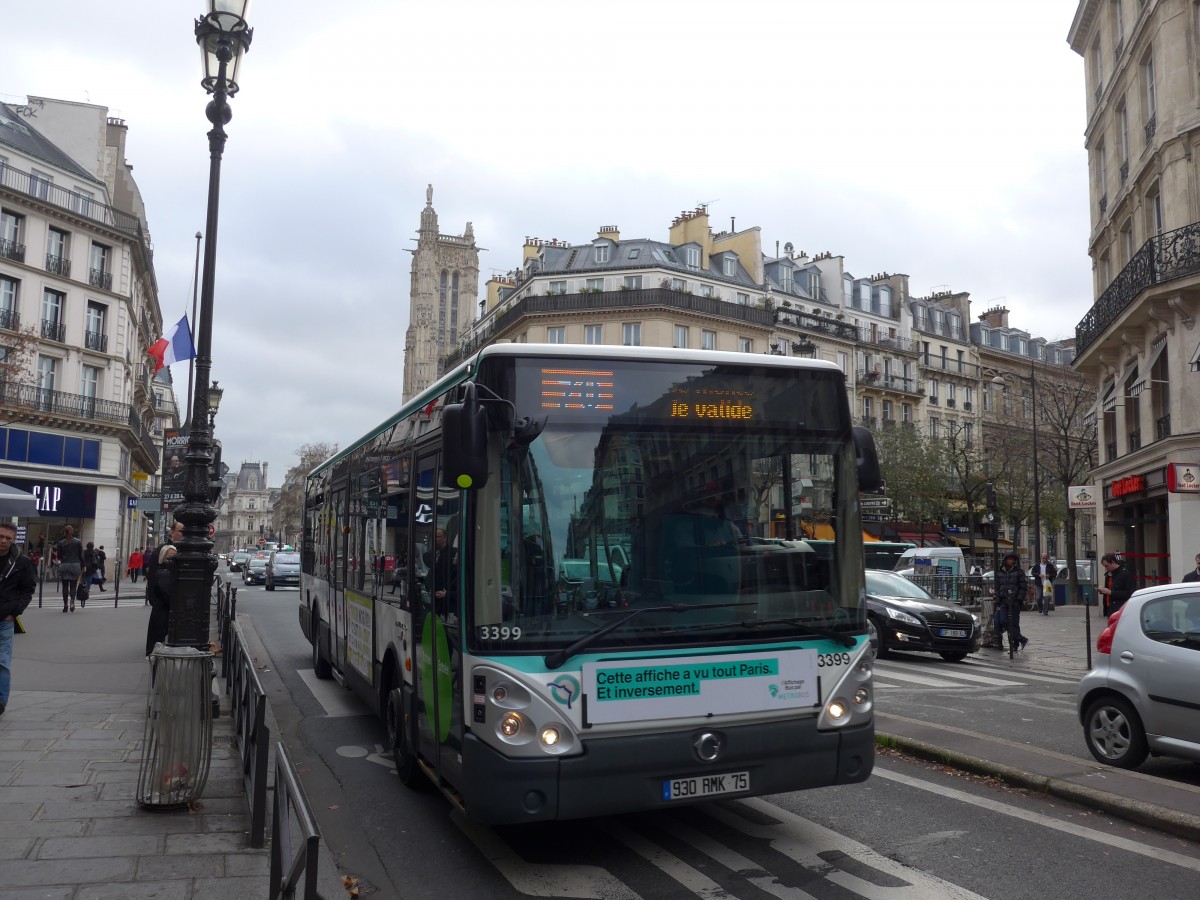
column 215, row 393
column 223, row 32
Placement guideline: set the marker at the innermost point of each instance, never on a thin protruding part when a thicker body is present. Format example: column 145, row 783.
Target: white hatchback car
column 1143, row 695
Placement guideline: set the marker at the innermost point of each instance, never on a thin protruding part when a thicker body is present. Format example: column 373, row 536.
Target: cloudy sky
column 937, row 138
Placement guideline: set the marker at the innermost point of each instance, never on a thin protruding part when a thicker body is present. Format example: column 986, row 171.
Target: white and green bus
column 543, row 573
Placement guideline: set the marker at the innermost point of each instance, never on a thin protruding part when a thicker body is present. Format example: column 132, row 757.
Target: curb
column 1172, row 821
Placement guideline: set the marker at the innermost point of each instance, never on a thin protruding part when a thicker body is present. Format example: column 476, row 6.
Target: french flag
column 174, row 346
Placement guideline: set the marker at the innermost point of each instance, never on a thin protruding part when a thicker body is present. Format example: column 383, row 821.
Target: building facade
column 78, row 308
column 246, row 510
column 443, row 293
column 1138, row 343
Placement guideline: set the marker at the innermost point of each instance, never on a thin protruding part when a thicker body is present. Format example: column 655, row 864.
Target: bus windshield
column 632, row 501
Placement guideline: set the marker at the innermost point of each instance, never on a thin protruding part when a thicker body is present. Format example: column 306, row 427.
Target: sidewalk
column 1056, row 644
column 70, row 748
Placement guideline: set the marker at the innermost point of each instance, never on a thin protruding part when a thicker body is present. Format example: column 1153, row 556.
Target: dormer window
column 600, row 253
column 693, row 257
column 729, row 266
column 635, row 252
column 919, row 318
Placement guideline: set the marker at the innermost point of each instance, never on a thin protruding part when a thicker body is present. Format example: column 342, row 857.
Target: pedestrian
column 101, row 559
column 1194, row 575
column 1118, row 583
column 1011, row 586
column 18, row 578
column 135, row 564
column 69, row 551
column 1043, row 574
column 158, row 589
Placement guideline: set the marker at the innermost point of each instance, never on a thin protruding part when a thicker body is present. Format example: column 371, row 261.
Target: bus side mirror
column 869, row 477
column 464, row 442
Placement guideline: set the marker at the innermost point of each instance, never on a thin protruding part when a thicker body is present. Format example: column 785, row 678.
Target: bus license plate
column 953, row 632
column 705, row 785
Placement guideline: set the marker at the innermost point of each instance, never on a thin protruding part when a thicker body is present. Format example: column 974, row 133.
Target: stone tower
column 442, row 298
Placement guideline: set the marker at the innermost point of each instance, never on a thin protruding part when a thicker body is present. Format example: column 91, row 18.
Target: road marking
column 956, row 670
column 1090, row 834
column 956, row 675
column 334, row 699
column 699, row 884
column 922, row 679
column 544, row 879
column 801, row 840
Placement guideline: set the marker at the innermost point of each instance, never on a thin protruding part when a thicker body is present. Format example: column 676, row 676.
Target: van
column 917, row 559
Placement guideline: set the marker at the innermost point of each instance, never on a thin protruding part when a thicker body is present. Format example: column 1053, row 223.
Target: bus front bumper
column 624, row 774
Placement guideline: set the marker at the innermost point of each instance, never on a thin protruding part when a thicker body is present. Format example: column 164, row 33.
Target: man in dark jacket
column 1118, row 583
column 1194, row 575
column 1011, row 586
column 1043, row 574
column 17, row 581
column 158, row 593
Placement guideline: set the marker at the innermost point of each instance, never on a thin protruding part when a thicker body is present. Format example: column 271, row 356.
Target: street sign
column 866, row 503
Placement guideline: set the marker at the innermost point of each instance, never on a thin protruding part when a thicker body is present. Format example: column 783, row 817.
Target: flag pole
column 192, row 323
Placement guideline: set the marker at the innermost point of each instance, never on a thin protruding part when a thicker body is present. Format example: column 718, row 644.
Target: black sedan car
column 906, row 617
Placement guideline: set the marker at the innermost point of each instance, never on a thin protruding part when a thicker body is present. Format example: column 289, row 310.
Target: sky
column 936, row 138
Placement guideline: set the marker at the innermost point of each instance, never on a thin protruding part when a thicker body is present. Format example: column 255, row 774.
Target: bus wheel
column 321, row 666
column 406, row 763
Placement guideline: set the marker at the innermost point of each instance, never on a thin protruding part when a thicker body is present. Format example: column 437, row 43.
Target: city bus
column 694, row 662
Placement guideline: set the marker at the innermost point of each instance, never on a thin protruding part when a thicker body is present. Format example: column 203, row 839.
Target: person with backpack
column 158, row 588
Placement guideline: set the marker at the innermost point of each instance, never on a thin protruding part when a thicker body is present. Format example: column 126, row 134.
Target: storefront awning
column 1194, row 362
column 981, row 543
column 1144, row 379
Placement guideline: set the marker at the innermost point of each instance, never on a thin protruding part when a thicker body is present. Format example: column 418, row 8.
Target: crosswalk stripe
column 918, row 679
column 1066, row 677
column 669, row 864
column 956, row 675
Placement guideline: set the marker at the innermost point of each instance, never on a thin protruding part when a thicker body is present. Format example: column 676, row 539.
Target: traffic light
column 991, row 497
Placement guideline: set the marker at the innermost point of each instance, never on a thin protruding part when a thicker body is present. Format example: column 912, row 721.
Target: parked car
column 581, row 591
column 283, row 567
column 238, row 560
column 1143, row 694
column 906, row 617
column 255, row 569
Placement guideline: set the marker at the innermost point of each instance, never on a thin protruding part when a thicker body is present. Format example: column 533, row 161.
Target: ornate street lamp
column 223, row 36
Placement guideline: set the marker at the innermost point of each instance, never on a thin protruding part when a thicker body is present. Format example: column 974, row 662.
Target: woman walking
column 70, row 566
column 135, row 564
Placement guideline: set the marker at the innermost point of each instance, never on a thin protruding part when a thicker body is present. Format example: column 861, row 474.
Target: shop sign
column 1183, row 478
column 58, row 500
column 1130, row 484
column 1081, row 496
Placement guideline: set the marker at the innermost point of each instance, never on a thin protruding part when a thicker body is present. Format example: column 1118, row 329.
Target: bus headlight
column 550, row 736
column 836, row 711
column 510, row 725
column 862, row 696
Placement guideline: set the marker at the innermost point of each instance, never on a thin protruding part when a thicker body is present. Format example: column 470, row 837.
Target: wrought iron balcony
column 98, row 278
column 1162, row 427
column 58, row 265
column 12, row 250
column 1099, row 91
column 899, row 344
column 1151, row 127
column 54, row 331
column 1110, row 451
column 889, row 422
column 1163, row 258
column 95, row 340
column 1124, row 170
column 10, row 319
column 1135, row 440
column 867, row 421
column 1117, row 50
column 1103, row 204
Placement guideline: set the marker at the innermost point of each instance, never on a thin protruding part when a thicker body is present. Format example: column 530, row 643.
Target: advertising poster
column 174, row 467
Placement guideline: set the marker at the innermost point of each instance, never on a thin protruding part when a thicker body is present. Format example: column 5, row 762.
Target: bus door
column 337, row 582
column 436, row 609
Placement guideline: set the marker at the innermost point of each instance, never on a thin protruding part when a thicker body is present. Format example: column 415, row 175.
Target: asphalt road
column 914, row 830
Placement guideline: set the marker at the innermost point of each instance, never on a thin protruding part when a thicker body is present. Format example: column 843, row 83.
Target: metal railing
column 80, row 204
column 54, row 331
column 248, row 708
column 95, row 340
column 226, row 613
column 1165, row 257
column 1162, row 427
column 10, row 319
column 12, row 250
column 58, row 265
column 293, row 870
column 98, row 278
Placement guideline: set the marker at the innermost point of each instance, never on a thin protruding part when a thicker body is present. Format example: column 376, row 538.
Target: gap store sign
column 57, row 500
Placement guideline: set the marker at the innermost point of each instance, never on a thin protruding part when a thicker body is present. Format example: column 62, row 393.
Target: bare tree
column 908, row 463
column 966, row 466
column 289, row 508
column 17, row 352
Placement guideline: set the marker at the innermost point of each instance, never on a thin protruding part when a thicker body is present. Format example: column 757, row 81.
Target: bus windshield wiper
column 840, row 637
column 558, row 657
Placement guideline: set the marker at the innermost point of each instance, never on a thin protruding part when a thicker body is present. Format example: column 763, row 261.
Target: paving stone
column 16, row 848
column 48, row 793
column 226, row 824
column 50, row 764
column 232, row 888
column 86, row 809
column 30, row 872
column 39, row 828
column 38, row 893
column 98, row 755
column 249, row 864
column 91, row 744
column 21, row 778
column 164, row 868
column 103, row 846
column 150, row 890
column 16, row 812
column 148, row 822
column 17, row 756
column 208, row 843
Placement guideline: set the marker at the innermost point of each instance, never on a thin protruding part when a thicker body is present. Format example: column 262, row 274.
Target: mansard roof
column 16, row 132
